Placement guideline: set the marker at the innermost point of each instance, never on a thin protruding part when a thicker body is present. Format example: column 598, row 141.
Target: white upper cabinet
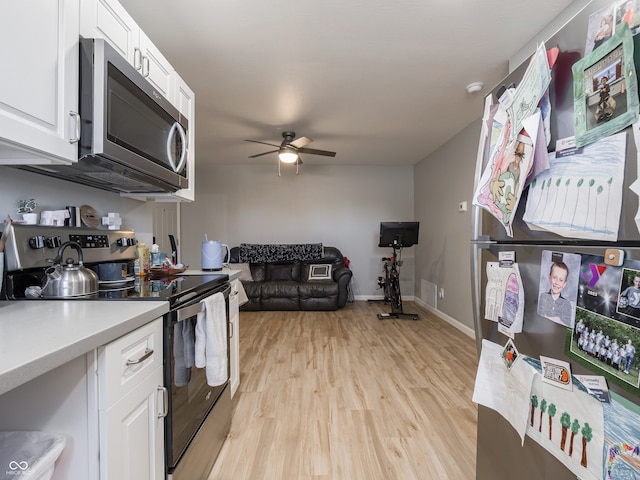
column 109, row 20
column 156, row 68
column 39, row 123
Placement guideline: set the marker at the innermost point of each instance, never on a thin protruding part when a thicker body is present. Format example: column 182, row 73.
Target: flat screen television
column 398, row 234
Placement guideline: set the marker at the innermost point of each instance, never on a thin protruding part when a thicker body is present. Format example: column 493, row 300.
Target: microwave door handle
column 177, row 127
column 183, row 154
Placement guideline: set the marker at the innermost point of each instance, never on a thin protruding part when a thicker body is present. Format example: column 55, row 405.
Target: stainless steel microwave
column 132, row 139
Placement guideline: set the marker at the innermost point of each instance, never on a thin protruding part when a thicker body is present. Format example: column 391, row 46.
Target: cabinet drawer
column 125, row 362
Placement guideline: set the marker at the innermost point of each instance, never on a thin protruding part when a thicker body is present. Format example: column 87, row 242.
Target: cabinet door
column 155, row 67
column 185, row 101
column 39, row 81
column 234, row 320
column 109, row 20
column 132, row 433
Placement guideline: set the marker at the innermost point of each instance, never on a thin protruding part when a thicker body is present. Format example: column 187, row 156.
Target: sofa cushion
column 278, row 272
column 282, row 272
column 318, row 288
column 280, row 295
column 258, row 272
column 253, row 291
column 280, row 289
column 319, row 295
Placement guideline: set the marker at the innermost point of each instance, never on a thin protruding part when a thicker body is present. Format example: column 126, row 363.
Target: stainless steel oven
column 199, row 416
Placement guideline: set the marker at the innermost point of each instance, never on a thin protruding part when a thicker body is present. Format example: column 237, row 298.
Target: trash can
column 29, row 455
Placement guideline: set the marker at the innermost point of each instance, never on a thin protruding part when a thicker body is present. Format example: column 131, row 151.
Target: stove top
column 175, row 289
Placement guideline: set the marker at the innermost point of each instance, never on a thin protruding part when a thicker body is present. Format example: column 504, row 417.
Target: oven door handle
column 165, row 402
column 196, row 308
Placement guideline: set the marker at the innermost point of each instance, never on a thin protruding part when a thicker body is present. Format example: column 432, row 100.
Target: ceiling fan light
column 288, row 155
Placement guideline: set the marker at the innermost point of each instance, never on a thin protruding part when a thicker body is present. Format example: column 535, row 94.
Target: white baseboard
column 364, row 298
column 450, row 320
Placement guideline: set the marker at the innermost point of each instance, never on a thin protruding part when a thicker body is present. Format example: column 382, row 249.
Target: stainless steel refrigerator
column 500, row 454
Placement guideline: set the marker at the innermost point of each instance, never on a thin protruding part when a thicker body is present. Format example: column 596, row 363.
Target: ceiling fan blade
column 264, row 153
column 262, row 143
column 300, row 142
column 313, row 151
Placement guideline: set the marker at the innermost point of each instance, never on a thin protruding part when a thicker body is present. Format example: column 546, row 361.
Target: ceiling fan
column 290, row 149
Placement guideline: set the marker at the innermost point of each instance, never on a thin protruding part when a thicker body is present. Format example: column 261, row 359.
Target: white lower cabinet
column 234, row 353
column 131, row 406
column 132, row 431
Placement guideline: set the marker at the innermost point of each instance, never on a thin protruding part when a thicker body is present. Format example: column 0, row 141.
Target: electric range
column 30, row 248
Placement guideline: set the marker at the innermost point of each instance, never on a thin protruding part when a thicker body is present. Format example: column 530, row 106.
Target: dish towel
column 189, row 342
column 211, row 340
column 181, row 371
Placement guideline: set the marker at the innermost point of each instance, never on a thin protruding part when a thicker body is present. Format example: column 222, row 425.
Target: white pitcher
column 212, row 256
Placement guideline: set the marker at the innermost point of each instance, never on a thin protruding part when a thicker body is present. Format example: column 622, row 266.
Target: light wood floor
column 343, row 395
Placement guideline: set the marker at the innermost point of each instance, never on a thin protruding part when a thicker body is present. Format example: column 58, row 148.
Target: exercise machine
column 396, row 235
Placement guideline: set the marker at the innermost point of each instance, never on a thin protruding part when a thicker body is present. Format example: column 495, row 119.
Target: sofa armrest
column 343, row 276
column 341, row 272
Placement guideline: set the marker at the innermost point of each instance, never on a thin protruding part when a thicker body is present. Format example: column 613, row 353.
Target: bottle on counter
column 156, row 255
column 143, row 259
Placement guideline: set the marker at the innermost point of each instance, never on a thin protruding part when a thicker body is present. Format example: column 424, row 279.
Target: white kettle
column 212, row 254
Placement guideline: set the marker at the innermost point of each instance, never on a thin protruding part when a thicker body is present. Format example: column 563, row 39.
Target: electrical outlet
column 441, row 293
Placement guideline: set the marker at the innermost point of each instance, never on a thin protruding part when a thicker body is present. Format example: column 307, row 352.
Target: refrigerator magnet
column 510, row 354
column 556, row 372
column 605, row 90
column 559, row 275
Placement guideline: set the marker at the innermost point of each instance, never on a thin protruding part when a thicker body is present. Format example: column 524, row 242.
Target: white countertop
column 40, row 335
column 233, row 274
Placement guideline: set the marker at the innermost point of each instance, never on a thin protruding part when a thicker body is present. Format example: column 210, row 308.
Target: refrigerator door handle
column 476, row 283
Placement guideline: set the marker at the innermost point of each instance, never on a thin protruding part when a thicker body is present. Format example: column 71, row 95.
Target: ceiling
column 379, row 82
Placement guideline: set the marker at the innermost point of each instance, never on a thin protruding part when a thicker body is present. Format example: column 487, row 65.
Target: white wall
column 442, row 181
column 337, row 206
column 54, row 194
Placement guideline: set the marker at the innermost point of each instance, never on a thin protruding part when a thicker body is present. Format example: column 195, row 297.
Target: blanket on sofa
column 265, row 253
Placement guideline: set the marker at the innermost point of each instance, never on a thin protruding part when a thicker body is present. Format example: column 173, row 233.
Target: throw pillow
column 245, row 271
column 320, row 271
column 279, row 272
